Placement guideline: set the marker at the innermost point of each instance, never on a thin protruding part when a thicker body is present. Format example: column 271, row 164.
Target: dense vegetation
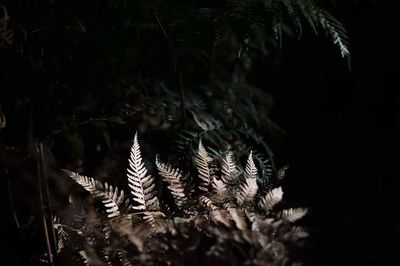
column 79, row 77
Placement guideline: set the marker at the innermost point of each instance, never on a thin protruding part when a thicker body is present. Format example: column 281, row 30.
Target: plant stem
column 41, row 179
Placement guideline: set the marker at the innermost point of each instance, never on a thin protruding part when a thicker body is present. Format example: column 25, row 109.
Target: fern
column 109, row 197
column 230, row 172
column 225, row 214
column 292, row 215
column 248, row 189
column 271, row 199
column 142, row 184
column 202, row 162
column 284, row 13
column 176, row 181
column 62, row 235
column 238, row 216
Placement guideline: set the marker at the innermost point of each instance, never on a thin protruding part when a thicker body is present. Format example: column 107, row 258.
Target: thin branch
column 43, row 207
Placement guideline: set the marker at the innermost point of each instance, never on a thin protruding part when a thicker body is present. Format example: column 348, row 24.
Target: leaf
column 238, row 216
column 294, row 214
column 205, row 122
column 177, row 182
column 248, row 189
column 271, row 199
column 108, row 197
column 203, row 169
column 216, row 214
column 142, row 185
column 62, row 235
column 229, row 169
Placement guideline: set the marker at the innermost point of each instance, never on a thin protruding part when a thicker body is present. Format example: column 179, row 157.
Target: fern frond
column 220, row 189
column 317, row 16
column 62, row 235
column 96, row 189
column 176, row 181
column 122, row 256
column 248, row 189
column 299, row 232
column 206, row 122
column 216, row 214
column 293, row 14
column 266, row 167
column 229, row 169
column 142, row 184
column 238, row 216
column 335, row 29
column 251, row 169
column 271, row 199
column 152, row 217
column 203, row 169
column 294, row 214
column 85, row 258
column 281, row 173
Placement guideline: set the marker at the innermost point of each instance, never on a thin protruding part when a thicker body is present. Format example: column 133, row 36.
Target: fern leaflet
column 248, row 189
column 142, row 185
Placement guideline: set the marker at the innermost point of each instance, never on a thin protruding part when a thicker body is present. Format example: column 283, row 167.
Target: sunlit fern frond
column 248, row 189
column 122, row 256
column 84, row 257
column 97, row 190
column 61, row 235
column 229, row 169
column 271, row 199
column 177, row 182
column 141, row 183
column 203, row 168
column 294, row 214
column 218, row 215
column 238, row 216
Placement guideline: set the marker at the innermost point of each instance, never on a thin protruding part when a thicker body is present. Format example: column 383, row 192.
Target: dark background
column 343, row 137
column 341, row 140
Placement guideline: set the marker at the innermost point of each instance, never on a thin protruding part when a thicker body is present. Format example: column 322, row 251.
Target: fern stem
column 42, row 176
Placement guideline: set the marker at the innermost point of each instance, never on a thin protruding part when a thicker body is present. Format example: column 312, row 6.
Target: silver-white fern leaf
column 141, row 183
column 177, row 182
column 248, row 189
column 229, row 169
column 203, row 169
column 294, row 214
column 238, row 216
column 271, row 199
column 109, row 199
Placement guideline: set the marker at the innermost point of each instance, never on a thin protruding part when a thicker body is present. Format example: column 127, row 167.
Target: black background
column 341, row 140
